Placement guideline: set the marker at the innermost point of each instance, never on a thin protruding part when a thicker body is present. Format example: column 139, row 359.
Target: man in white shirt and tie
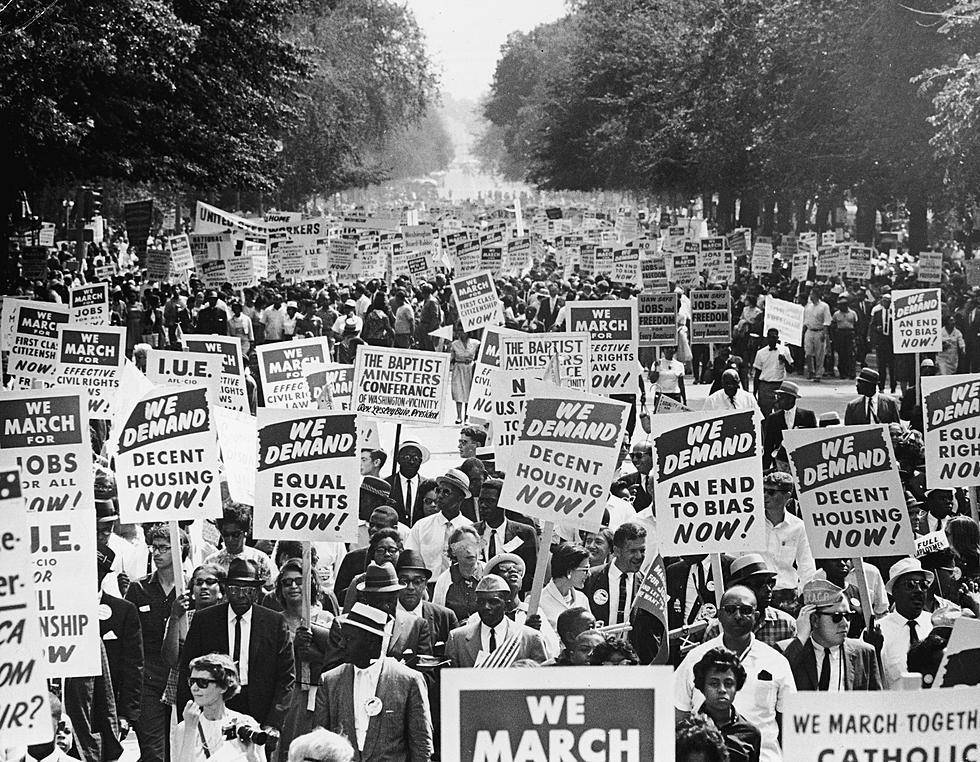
column 909, row 623
column 430, row 535
column 405, row 484
column 731, row 396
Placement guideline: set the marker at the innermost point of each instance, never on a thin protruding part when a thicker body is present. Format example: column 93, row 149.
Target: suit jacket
column 677, row 574
column 270, row 660
column 647, row 630
column 407, row 516
column 856, row 413
column 354, row 563
column 527, row 550
column 860, row 665
column 775, row 425
column 409, row 633
column 642, row 499
column 402, row 732
column 464, row 644
column 441, row 621
column 122, row 637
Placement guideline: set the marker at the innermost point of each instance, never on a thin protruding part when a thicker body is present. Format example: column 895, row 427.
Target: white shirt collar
column 246, row 617
column 373, row 671
column 417, row 611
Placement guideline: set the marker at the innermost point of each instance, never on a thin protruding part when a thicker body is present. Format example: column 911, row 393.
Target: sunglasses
column 292, row 582
column 200, row 682
column 837, row 616
column 916, row 584
column 732, row 609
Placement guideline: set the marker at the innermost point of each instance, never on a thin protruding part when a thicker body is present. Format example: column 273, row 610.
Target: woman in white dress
column 569, row 567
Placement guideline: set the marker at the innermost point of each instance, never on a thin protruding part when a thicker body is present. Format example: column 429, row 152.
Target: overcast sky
column 464, row 36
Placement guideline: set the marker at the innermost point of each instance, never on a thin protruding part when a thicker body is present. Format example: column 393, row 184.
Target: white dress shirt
column 246, row 629
column 500, row 631
column 415, row 482
column 501, row 534
column 719, row 400
column 417, row 611
column 790, row 416
column 788, row 552
column 365, row 689
column 614, row 575
column 836, row 665
column 428, row 537
column 897, row 639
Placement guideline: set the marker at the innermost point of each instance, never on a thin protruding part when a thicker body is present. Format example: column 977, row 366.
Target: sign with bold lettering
column 308, row 475
column 917, row 321
column 283, row 366
column 90, row 304
column 336, row 377
column 476, row 298
column 707, row 468
column 711, row 317
column 92, row 358
column 532, row 353
column 506, row 715
column 787, row 318
column 233, row 394
column 849, row 491
column 167, row 466
column 951, row 417
column 400, row 384
column 165, row 367
column 612, row 329
column 657, row 315
column 34, row 348
column 859, row 262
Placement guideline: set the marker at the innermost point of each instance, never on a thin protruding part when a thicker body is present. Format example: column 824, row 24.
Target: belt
column 821, row 328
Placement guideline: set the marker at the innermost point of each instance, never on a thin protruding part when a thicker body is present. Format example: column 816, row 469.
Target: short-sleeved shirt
column 770, row 367
column 845, row 320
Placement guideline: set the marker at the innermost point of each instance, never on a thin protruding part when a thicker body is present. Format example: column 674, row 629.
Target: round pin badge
column 600, row 597
column 373, row 706
column 104, row 612
column 710, row 585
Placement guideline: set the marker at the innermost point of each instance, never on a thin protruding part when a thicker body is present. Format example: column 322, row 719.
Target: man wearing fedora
column 785, row 415
column 909, row 622
column 430, row 535
column 821, row 655
column 772, row 624
column 255, row 637
column 405, row 484
column 374, row 514
column 413, row 574
column 871, row 406
column 379, row 704
column 491, row 628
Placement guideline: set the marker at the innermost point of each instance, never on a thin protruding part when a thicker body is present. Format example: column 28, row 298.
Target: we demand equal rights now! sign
column 951, row 417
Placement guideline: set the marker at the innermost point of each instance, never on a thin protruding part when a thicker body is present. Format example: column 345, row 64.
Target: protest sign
column 829, row 261
column 849, row 491
column 282, row 369
column 859, row 262
column 400, row 384
column 238, row 441
column 8, row 321
column 24, row 715
column 930, row 543
column 972, row 269
column 308, row 474
column 512, row 715
column 847, row 726
column 951, row 421
column 684, row 268
column 657, row 315
column 711, row 317
column 787, row 318
column 800, row 264
column 481, row 391
column 565, row 456
column 233, row 394
column 167, row 466
column 339, row 378
column 612, row 328
column 532, row 353
column 181, row 260
column 490, row 346
column 930, row 266
column 165, row 367
column 665, row 404
column 653, row 272
column 762, row 255
column 34, row 347
column 139, row 220
column 157, row 264
column 34, row 262
column 505, row 411
column 476, row 298
column 917, row 319
column 90, row 304
column 961, row 657
column 91, row 357
column 707, row 469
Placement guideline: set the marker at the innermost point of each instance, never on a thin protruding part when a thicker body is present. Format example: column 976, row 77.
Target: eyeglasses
column 292, row 582
column 157, row 549
column 200, row 682
column 732, row 609
column 836, row 616
column 916, row 584
column 429, row 500
column 205, row 582
column 412, row 581
column 637, row 455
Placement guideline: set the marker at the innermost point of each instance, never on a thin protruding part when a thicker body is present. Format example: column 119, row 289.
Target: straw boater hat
column 504, row 558
column 366, row 618
column 789, row 387
column 422, row 450
column 456, row 479
column 376, row 486
column 749, row 565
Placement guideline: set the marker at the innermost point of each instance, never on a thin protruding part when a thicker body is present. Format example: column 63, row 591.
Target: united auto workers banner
column 167, row 466
column 282, row 368
column 400, row 384
column 657, row 320
column 92, row 358
column 850, row 492
column 34, row 349
column 951, row 416
column 711, row 317
column 708, row 477
column 566, row 454
column 917, row 321
column 513, row 715
column 533, row 352
column 612, row 329
column 234, row 394
column 476, row 297
column 308, row 476
column 90, row 304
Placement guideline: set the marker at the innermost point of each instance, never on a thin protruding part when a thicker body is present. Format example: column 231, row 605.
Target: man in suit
column 821, row 655
column 413, row 574
column 786, row 415
column 380, row 705
column 880, row 338
column 871, row 406
column 406, row 483
column 255, row 637
column 497, row 531
column 491, row 628
column 970, row 322
column 356, row 560
column 691, row 594
column 611, row 590
column 642, row 458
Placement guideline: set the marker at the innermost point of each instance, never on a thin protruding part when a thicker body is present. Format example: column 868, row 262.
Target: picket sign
column 176, row 552
column 718, row 574
column 863, row 593
column 544, row 555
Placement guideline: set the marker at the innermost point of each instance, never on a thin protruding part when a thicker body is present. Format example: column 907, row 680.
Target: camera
column 246, row 734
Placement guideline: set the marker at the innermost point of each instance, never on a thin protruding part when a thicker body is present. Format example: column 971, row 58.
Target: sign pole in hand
column 304, row 669
column 178, row 567
column 540, row 565
column 862, row 581
column 394, row 460
column 974, row 512
column 719, row 579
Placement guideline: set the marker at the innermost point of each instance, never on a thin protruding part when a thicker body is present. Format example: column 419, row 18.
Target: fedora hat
column 456, row 479
column 380, row 578
column 789, row 387
column 749, row 565
column 243, row 572
column 903, row 567
column 870, row 375
column 411, row 560
column 366, row 618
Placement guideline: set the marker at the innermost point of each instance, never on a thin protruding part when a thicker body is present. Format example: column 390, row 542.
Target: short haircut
column 567, row 621
column 162, row 532
column 627, row 533
column 566, row 557
column 379, row 455
column 698, row 735
column 613, row 646
column 320, row 746
column 493, row 483
column 235, row 513
column 390, row 514
column 719, row 659
column 476, row 434
column 384, row 534
column 222, row 670
column 473, row 466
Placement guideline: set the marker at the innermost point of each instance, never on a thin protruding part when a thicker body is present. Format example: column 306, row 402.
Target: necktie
column 872, row 413
column 621, row 608
column 824, row 684
column 886, row 327
column 732, row 401
column 493, row 640
column 445, row 540
column 408, row 499
column 236, row 654
column 913, row 635
column 493, row 544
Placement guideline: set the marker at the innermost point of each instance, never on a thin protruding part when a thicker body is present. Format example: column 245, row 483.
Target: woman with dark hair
column 614, row 652
column 963, row 534
column 569, row 567
column 213, row 680
column 385, row 546
column 697, row 740
column 429, row 504
column 719, row 676
column 377, row 330
column 289, row 595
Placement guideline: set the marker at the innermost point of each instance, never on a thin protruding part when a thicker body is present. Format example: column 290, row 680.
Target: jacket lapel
column 345, row 701
column 810, row 665
column 374, row 723
column 852, row 666
column 473, row 640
